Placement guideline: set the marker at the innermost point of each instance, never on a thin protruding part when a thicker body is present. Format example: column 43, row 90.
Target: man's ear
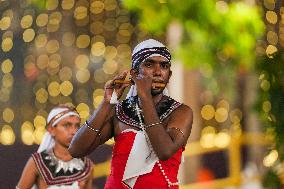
column 51, row 129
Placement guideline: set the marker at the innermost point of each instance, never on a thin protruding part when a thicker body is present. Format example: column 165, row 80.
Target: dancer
column 52, row 166
column 150, row 128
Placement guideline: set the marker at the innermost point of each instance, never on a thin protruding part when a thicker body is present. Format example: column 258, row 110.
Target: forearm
column 159, row 138
column 89, row 137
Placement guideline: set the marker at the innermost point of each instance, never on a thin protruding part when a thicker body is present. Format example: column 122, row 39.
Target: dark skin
column 63, row 133
column 165, row 140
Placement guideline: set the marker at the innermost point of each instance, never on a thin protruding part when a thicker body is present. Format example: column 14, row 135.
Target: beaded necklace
column 170, row 184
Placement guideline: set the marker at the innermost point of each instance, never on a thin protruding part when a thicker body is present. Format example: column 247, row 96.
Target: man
column 150, row 128
column 52, row 166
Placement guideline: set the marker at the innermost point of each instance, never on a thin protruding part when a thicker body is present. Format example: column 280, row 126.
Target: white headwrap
column 141, row 52
column 55, row 116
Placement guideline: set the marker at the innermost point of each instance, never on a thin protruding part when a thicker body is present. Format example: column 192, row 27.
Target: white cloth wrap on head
column 146, row 49
column 48, row 141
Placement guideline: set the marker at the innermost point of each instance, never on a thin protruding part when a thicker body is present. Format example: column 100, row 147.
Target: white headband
column 55, row 116
column 147, row 49
column 61, row 113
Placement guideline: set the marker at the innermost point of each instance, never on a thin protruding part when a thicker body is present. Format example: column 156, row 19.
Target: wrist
column 145, row 96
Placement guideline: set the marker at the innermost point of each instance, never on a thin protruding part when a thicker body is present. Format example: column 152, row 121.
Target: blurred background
column 227, row 65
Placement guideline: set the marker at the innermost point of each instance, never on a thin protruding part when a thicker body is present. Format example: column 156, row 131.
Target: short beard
column 156, row 92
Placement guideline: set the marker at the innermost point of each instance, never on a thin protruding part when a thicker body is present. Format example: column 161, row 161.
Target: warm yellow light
column 42, row 61
column 110, row 67
column 27, row 125
column 27, row 137
column 98, row 92
column 8, row 115
column 5, row 23
column 66, row 88
column 26, row 21
column 41, row 40
column 236, row 130
column 83, row 110
column 110, row 24
column 7, row 66
column 39, row 121
column 270, row 159
column 97, row 27
column 38, row 135
column 97, row 7
column 122, row 38
column 207, row 112
column 65, row 74
column 124, row 51
column 222, row 140
column 98, row 49
column 68, row 39
column 208, row 129
column 266, row 106
column 7, row 80
column 52, row 46
column 97, row 100
column 54, row 88
column 7, row 44
column 83, row 75
column 271, row 49
column 55, row 18
column 272, row 37
column 100, row 76
column 51, row 4
column 52, row 27
column 82, row 61
column 269, row 4
column 83, row 41
column 110, row 5
column 271, row 17
column 265, row 85
column 124, row 33
column 236, row 116
column 67, row 4
column 207, row 140
column 221, row 115
column 28, row 35
column 4, row 95
column 53, row 64
column 223, row 104
column 80, row 12
column 41, row 95
column 56, row 57
column 42, row 20
column 110, row 52
column 7, row 135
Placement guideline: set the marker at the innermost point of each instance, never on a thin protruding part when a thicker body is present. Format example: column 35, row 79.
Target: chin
column 156, row 92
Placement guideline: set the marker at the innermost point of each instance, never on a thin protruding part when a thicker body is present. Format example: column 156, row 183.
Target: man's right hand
column 119, row 88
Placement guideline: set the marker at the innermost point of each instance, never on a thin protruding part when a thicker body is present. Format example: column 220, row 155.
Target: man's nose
column 157, row 70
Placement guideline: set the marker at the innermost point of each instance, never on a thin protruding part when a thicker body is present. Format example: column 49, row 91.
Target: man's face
column 64, row 131
column 158, row 68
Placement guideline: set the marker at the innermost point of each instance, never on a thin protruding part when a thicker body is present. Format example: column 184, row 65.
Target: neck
column 156, row 99
column 61, row 152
